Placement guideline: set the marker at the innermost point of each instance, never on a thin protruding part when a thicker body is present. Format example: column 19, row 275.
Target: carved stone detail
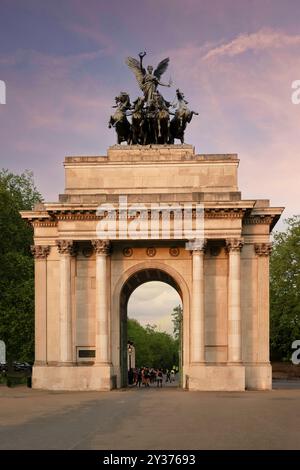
column 263, row 249
column 151, row 251
column 40, row 251
column 87, row 251
column 229, row 213
column 215, row 250
column 197, row 245
column 101, row 247
column 234, row 244
column 66, row 247
column 174, row 251
column 258, row 219
column 127, row 251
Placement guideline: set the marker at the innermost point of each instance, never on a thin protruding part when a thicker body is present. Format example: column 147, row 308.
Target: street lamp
column 129, row 349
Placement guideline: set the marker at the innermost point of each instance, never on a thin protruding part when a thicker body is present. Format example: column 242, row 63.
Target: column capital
column 197, row 246
column 263, row 249
column 101, row 247
column 234, row 244
column 40, row 251
column 65, row 247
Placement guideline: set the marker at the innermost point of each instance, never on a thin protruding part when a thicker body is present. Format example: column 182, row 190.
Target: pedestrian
column 146, row 377
column 159, row 378
column 139, row 377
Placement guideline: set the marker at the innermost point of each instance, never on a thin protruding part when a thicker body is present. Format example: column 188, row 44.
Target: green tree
column 285, row 290
column 17, row 192
column 153, row 348
column 177, row 321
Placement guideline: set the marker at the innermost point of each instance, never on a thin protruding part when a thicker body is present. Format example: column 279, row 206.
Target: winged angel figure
column 148, row 80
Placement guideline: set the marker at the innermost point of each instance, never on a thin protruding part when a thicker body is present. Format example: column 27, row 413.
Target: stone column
column 263, row 251
column 197, row 327
column 40, row 253
column 234, row 247
column 102, row 248
column 66, row 251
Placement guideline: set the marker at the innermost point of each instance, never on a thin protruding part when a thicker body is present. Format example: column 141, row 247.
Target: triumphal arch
column 151, row 210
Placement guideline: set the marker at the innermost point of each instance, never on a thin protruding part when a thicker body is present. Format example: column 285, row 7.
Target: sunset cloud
column 258, row 41
column 153, row 303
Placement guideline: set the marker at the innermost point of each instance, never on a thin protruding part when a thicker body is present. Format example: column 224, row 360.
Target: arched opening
column 134, row 282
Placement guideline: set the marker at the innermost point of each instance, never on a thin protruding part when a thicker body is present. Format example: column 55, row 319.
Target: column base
column 215, row 377
column 258, row 376
column 68, row 378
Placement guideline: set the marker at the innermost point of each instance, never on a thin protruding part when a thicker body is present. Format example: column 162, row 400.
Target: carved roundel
column 174, row 251
column 151, row 251
column 127, row 252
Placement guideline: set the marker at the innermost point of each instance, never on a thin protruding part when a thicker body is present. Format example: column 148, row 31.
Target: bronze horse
column 138, row 123
column 183, row 116
column 119, row 119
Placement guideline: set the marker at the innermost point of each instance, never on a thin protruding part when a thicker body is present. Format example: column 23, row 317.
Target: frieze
column 44, row 223
column 258, row 219
column 210, row 213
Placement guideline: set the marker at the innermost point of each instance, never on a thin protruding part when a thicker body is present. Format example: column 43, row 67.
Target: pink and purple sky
column 235, row 60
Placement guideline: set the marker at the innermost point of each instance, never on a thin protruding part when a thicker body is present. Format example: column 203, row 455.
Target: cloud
column 33, row 57
column 153, row 303
column 258, row 41
column 95, row 34
column 245, row 107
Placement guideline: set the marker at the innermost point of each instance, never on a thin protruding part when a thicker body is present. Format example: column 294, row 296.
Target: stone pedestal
column 217, row 377
column 73, row 378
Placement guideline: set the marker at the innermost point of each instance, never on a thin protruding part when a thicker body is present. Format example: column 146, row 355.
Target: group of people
column 144, row 376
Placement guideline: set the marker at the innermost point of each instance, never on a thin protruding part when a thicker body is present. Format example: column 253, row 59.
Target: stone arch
column 130, row 279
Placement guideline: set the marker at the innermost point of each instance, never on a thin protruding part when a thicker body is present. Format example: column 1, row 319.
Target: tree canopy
column 285, row 290
column 17, row 192
column 152, row 348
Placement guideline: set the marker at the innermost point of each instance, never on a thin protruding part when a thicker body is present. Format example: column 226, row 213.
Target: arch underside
column 146, row 275
column 133, row 282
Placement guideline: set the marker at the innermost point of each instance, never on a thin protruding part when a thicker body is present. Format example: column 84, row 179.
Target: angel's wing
column 161, row 68
column 134, row 65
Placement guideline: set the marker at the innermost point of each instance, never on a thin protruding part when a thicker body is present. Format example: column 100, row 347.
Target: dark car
column 3, row 367
column 21, row 366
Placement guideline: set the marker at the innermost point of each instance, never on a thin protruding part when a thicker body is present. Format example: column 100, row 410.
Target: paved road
column 149, row 419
